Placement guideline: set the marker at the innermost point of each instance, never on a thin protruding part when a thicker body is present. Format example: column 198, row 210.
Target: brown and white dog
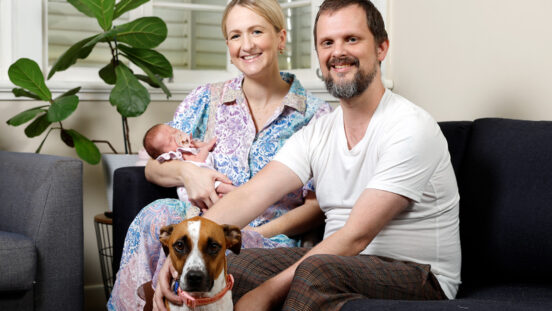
column 197, row 248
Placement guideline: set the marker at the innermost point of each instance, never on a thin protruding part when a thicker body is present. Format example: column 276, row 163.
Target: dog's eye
column 180, row 246
column 213, row 248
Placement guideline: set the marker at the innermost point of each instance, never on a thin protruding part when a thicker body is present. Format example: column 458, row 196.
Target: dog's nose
column 194, row 278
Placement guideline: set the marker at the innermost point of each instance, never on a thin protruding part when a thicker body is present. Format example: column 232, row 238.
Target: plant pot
column 111, row 162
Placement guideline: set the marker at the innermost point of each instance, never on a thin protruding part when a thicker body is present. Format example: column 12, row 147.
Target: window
column 195, row 45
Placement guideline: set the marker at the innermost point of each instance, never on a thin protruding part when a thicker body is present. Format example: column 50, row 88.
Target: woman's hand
column 223, row 189
column 200, row 185
column 163, row 288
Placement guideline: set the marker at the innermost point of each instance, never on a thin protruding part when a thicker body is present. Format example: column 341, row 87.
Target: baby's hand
column 209, row 145
column 204, row 149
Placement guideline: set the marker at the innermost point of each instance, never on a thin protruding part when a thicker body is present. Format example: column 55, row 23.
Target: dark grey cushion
column 18, row 262
column 505, row 200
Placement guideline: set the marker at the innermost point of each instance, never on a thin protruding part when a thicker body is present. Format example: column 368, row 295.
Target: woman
column 251, row 117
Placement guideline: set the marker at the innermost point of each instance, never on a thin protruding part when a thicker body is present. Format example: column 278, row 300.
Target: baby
column 164, row 143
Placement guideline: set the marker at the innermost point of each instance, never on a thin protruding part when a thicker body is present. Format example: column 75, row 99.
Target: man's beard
column 361, row 81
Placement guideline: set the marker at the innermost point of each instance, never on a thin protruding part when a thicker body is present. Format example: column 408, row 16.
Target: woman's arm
column 297, row 221
column 199, row 182
column 167, row 174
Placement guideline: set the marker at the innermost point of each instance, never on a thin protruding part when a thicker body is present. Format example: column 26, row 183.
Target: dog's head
column 197, row 248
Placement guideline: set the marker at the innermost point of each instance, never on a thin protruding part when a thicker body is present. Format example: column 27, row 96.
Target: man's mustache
column 350, row 60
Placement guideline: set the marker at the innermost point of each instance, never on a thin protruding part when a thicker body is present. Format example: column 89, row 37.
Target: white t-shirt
column 403, row 151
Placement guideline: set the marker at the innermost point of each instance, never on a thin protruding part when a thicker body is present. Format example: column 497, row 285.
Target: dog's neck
column 219, row 296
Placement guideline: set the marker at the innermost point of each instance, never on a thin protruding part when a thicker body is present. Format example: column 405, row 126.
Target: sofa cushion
column 457, row 134
column 18, row 257
column 438, row 305
column 506, row 202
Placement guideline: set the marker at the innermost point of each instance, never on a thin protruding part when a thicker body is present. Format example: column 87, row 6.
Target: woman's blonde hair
column 268, row 9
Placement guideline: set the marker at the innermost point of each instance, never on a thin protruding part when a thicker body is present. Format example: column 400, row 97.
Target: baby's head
column 162, row 138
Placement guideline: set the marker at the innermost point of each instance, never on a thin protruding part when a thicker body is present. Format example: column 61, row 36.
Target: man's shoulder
column 400, row 111
column 327, row 121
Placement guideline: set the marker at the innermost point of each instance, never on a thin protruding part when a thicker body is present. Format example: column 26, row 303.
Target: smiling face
column 348, row 54
column 252, row 41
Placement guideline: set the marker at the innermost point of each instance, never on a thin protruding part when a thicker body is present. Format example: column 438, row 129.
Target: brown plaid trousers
column 327, row 282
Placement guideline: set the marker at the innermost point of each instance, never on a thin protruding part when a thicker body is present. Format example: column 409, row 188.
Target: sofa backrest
column 505, row 182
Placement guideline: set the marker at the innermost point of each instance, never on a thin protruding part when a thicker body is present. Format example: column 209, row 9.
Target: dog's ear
column 233, row 238
column 164, row 235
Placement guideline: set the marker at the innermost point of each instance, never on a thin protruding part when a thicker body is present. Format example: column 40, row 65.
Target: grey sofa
column 41, row 232
column 504, row 173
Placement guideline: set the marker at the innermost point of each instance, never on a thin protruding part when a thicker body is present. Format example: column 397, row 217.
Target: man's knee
column 317, row 269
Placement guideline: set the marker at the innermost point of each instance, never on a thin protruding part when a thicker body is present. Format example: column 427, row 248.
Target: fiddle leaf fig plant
column 26, row 74
column 129, row 43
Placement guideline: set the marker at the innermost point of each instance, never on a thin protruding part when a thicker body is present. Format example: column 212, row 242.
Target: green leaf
column 147, row 79
column 103, row 11
column 155, row 79
column 69, row 93
column 129, row 95
column 107, row 74
column 26, row 74
column 145, row 32
column 80, row 50
column 154, row 60
column 62, row 108
column 66, row 138
column 25, row 116
column 85, row 148
column 18, row 92
column 126, row 5
column 38, row 126
column 83, row 8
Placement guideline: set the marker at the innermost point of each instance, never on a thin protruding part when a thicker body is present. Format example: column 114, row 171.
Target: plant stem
column 126, row 135
column 105, row 142
column 42, row 143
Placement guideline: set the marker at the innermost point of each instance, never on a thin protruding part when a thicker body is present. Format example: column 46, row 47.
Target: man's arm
column 370, row 214
column 297, row 221
column 241, row 206
column 238, row 207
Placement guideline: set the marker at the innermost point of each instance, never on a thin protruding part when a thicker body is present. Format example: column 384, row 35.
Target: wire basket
column 103, row 223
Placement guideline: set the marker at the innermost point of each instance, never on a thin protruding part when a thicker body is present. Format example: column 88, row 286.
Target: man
column 383, row 179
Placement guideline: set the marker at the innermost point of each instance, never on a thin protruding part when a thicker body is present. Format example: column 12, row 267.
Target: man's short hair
column 373, row 16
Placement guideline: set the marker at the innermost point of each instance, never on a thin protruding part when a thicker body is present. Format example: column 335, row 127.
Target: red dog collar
column 192, row 302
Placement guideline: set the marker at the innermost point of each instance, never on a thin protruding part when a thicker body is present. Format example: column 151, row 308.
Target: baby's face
column 170, row 138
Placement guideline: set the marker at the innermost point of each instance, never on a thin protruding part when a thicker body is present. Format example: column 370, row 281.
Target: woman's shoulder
column 312, row 101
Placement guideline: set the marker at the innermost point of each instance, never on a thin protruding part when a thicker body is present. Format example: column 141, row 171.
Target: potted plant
column 130, row 42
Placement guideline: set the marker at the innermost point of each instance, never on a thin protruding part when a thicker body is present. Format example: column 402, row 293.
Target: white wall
column 467, row 59
column 459, row 59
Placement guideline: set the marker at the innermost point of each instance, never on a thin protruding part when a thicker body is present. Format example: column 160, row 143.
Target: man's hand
column 260, row 299
column 163, row 288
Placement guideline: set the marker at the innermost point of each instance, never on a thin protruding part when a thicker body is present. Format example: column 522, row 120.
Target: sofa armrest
column 131, row 192
column 41, row 198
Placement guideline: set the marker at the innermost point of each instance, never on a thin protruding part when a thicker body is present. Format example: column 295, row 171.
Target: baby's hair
column 151, row 149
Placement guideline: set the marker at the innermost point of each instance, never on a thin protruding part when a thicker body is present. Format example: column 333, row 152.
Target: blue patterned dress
column 240, row 153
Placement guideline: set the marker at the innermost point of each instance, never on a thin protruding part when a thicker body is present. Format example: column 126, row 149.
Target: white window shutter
column 298, row 47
